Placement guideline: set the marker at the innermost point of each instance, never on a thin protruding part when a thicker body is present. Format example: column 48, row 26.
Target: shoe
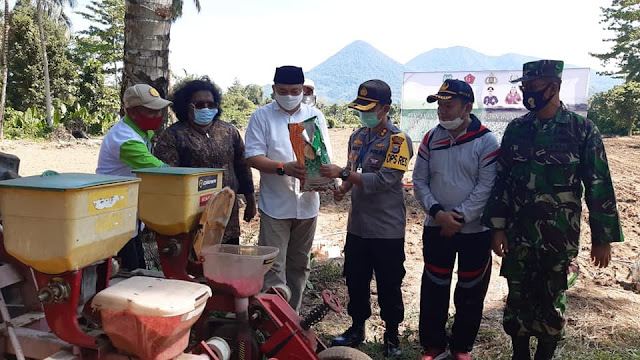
column 435, row 354
column 391, row 346
column 353, row 337
column 461, row 356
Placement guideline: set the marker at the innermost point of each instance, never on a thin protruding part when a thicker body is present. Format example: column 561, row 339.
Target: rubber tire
column 342, row 353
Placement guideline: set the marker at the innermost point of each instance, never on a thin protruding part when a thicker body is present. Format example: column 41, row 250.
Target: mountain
column 600, row 83
column 338, row 77
column 459, row 58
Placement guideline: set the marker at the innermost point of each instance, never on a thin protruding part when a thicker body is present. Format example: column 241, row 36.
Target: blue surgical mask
column 369, row 119
column 204, row 116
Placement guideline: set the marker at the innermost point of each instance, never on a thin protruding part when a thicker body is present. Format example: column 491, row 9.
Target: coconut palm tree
column 55, row 10
column 5, row 68
column 146, row 42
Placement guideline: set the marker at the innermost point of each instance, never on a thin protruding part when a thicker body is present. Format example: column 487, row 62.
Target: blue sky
column 247, row 39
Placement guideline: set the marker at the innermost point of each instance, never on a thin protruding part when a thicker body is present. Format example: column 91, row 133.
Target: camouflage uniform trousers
column 537, row 280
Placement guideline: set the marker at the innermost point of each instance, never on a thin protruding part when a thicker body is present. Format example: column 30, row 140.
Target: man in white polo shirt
column 127, row 146
column 287, row 215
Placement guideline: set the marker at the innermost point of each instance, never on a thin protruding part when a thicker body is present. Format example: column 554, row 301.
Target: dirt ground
column 604, row 306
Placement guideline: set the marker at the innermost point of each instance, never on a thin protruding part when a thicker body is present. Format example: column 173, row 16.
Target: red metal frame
column 177, row 265
column 62, row 317
column 288, row 339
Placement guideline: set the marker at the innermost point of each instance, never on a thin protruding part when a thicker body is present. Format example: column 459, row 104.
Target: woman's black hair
column 182, row 97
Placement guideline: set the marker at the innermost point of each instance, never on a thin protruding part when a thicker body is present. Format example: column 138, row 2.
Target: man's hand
column 251, row 208
column 340, row 192
column 447, row 219
column 499, row 242
column 330, row 171
column 296, row 170
column 601, row 254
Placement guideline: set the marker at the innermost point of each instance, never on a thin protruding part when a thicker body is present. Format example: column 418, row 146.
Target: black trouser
column 132, row 254
column 231, row 241
column 474, row 272
column 385, row 258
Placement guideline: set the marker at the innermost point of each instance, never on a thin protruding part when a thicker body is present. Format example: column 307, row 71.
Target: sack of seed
column 308, row 145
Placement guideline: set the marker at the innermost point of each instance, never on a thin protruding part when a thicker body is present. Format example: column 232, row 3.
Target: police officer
column 535, row 206
column 379, row 155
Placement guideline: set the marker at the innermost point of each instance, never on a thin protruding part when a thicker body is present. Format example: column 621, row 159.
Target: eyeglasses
column 204, row 104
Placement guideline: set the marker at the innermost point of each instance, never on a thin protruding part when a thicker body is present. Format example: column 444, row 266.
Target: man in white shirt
column 287, row 215
column 309, row 92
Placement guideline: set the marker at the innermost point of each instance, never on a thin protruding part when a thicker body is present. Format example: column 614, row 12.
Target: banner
column 497, row 100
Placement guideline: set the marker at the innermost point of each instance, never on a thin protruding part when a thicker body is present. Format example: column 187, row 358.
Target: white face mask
column 452, row 124
column 288, row 102
column 309, row 100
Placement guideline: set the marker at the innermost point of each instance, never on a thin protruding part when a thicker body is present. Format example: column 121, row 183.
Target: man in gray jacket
column 452, row 180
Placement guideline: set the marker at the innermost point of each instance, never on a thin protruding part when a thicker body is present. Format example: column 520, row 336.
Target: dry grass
column 602, row 323
column 603, row 310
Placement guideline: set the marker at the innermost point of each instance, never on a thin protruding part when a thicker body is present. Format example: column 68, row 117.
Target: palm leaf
column 176, row 8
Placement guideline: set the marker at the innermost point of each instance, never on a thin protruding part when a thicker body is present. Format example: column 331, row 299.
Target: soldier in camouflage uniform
column 534, row 210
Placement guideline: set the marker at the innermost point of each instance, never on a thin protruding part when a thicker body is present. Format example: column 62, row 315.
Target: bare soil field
column 603, row 307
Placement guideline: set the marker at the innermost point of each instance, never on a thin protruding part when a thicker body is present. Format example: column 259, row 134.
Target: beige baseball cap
column 144, row 95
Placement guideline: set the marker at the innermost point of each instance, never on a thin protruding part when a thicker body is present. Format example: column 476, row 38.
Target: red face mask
column 147, row 123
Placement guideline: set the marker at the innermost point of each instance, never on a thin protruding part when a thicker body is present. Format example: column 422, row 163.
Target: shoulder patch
column 398, row 154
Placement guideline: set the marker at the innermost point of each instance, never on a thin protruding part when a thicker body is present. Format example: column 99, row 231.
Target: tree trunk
column 45, row 60
column 147, row 24
column 5, row 66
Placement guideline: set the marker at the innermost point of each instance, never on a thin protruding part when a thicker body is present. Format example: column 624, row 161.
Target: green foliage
column 239, row 102
column 25, row 83
column 104, row 39
column 339, row 115
column 237, row 109
column 176, row 8
column 251, row 92
column 623, row 18
column 25, row 124
column 93, row 92
column 617, row 111
column 76, row 119
column 54, row 10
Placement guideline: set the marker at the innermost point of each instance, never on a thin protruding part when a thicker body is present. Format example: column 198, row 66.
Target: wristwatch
column 460, row 220
column 280, row 169
column 344, row 174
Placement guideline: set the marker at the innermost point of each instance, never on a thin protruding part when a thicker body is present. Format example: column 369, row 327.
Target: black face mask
column 534, row 100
